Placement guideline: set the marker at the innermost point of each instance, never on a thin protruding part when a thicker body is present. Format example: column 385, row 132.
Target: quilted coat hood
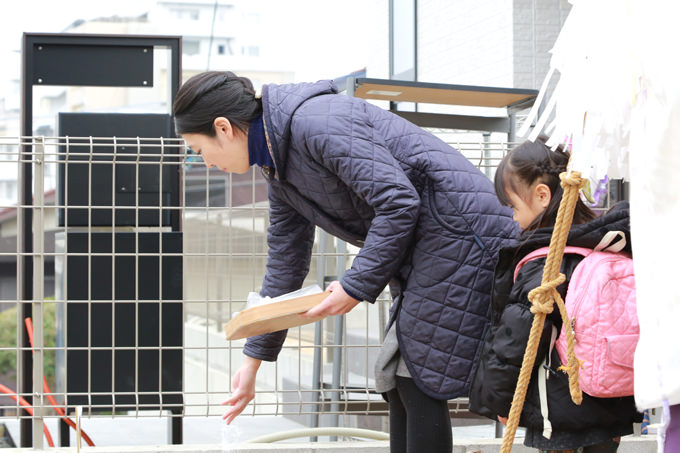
column 279, row 103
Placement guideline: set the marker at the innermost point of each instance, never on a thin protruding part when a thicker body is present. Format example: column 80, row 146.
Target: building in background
column 495, row 43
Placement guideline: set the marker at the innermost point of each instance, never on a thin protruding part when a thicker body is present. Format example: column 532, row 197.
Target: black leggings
column 417, row 422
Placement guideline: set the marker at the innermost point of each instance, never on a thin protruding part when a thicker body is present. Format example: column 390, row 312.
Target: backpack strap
column 543, row 376
column 544, row 371
column 543, row 252
column 609, row 244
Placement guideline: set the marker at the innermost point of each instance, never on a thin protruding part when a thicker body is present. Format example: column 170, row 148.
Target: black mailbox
column 128, row 288
column 126, row 179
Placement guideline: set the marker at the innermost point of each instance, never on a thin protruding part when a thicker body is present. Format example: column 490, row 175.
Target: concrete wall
column 502, row 43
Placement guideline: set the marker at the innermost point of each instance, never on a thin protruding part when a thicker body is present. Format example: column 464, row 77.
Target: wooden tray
column 273, row 317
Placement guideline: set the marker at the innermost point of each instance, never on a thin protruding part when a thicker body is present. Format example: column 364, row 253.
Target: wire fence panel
column 140, row 254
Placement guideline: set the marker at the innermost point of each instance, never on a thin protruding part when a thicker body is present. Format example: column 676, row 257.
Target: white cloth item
column 592, row 100
column 599, row 64
column 655, row 205
column 618, row 103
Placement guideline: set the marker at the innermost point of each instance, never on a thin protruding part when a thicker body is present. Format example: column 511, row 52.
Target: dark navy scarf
column 257, row 145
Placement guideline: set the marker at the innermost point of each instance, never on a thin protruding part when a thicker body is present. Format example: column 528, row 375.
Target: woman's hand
column 503, row 420
column 243, row 388
column 338, row 303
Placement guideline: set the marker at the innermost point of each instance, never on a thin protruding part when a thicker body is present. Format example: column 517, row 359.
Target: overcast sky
column 329, row 36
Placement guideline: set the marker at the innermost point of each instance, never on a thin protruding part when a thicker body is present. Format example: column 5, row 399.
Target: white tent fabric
column 593, row 99
column 618, row 103
column 655, row 203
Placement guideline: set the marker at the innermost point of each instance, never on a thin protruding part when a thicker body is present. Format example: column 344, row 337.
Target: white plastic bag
column 255, row 300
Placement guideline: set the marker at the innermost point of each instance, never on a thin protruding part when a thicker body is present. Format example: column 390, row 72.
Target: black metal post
column 25, row 237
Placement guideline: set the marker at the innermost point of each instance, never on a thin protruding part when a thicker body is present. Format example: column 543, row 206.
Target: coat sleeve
column 289, row 238
column 516, row 319
column 351, row 148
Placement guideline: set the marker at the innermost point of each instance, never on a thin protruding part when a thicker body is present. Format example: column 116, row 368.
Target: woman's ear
column 223, row 126
column 542, row 195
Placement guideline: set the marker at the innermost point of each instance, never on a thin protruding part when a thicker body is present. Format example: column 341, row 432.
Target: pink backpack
column 601, row 304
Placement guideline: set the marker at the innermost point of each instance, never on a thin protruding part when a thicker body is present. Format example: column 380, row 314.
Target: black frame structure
column 102, row 60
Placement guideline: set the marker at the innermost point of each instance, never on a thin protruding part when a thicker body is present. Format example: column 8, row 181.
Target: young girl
column 527, row 180
column 426, row 220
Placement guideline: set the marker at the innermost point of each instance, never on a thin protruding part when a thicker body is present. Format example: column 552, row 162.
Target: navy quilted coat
column 424, row 216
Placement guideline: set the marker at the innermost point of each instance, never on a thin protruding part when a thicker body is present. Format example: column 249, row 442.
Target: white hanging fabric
column 655, row 202
column 617, row 102
column 593, row 98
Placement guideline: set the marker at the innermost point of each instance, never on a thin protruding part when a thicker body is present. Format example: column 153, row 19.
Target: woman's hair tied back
column 214, row 94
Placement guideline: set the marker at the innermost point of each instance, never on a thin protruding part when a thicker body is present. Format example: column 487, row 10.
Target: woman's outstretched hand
column 243, row 388
column 338, row 303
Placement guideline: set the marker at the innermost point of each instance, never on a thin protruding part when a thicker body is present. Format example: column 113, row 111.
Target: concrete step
column 629, row 444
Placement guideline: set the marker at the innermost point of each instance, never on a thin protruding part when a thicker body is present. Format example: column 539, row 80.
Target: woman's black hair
column 533, row 162
column 214, row 94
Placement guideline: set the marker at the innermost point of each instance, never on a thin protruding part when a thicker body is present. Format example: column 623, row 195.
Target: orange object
column 28, row 408
column 273, row 317
column 48, row 393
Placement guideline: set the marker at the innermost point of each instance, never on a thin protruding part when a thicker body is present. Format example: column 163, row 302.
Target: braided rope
column 542, row 299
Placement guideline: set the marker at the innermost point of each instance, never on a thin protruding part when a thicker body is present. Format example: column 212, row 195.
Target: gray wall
column 536, row 25
column 495, row 42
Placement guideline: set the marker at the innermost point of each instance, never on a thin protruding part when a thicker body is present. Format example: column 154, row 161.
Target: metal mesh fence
column 140, row 254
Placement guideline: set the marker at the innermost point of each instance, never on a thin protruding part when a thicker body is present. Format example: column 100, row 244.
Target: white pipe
column 323, row 431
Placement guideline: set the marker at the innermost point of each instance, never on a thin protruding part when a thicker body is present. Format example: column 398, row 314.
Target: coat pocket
column 447, row 216
column 612, row 375
column 621, row 349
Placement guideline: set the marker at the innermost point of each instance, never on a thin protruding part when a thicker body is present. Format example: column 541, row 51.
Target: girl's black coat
column 494, row 383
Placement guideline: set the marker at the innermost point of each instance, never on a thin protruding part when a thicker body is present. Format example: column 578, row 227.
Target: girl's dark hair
column 533, row 162
column 212, row 94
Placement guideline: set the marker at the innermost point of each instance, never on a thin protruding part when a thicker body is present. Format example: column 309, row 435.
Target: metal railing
column 324, row 370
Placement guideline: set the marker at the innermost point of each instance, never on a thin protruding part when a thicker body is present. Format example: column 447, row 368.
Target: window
column 191, row 47
column 184, row 14
column 253, row 51
column 224, row 48
column 403, row 39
